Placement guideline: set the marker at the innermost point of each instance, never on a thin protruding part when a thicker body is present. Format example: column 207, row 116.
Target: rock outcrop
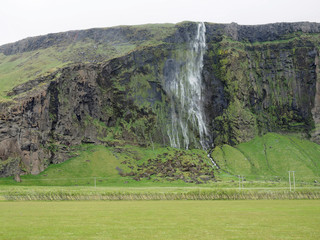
column 255, row 79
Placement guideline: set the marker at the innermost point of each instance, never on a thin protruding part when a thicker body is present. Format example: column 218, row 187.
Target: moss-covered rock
column 255, row 79
column 237, row 124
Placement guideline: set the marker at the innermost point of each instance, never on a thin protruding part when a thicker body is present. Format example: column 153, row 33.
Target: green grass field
column 294, row 219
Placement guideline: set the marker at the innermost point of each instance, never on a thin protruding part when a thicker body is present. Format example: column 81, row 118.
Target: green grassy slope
column 270, row 156
column 110, row 166
column 92, row 162
column 21, row 67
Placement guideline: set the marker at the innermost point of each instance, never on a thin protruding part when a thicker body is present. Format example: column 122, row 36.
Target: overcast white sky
column 24, row 18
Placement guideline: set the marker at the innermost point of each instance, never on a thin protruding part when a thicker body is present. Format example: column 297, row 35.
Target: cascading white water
column 187, row 113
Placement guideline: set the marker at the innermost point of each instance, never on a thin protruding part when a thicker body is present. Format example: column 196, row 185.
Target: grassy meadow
column 285, row 219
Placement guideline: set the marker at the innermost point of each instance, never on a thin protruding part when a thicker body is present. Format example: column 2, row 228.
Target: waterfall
column 185, row 90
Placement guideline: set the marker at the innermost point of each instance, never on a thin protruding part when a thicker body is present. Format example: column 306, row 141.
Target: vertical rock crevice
column 316, row 109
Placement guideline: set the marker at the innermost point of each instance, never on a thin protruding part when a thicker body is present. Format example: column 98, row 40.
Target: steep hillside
column 271, row 156
column 190, row 85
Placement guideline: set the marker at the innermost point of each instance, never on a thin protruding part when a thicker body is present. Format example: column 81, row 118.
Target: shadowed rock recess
column 133, row 85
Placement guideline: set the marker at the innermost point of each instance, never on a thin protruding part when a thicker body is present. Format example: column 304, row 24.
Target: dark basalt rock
column 248, row 89
column 259, row 33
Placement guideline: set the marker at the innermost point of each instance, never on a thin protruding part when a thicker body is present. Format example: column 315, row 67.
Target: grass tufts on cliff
column 32, row 58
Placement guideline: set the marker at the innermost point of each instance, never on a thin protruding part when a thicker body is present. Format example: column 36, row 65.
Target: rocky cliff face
column 269, row 80
column 254, row 79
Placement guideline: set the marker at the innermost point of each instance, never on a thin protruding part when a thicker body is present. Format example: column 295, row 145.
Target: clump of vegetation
column 172, row 166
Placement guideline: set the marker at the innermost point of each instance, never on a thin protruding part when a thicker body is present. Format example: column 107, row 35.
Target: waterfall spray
column 187, row 114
